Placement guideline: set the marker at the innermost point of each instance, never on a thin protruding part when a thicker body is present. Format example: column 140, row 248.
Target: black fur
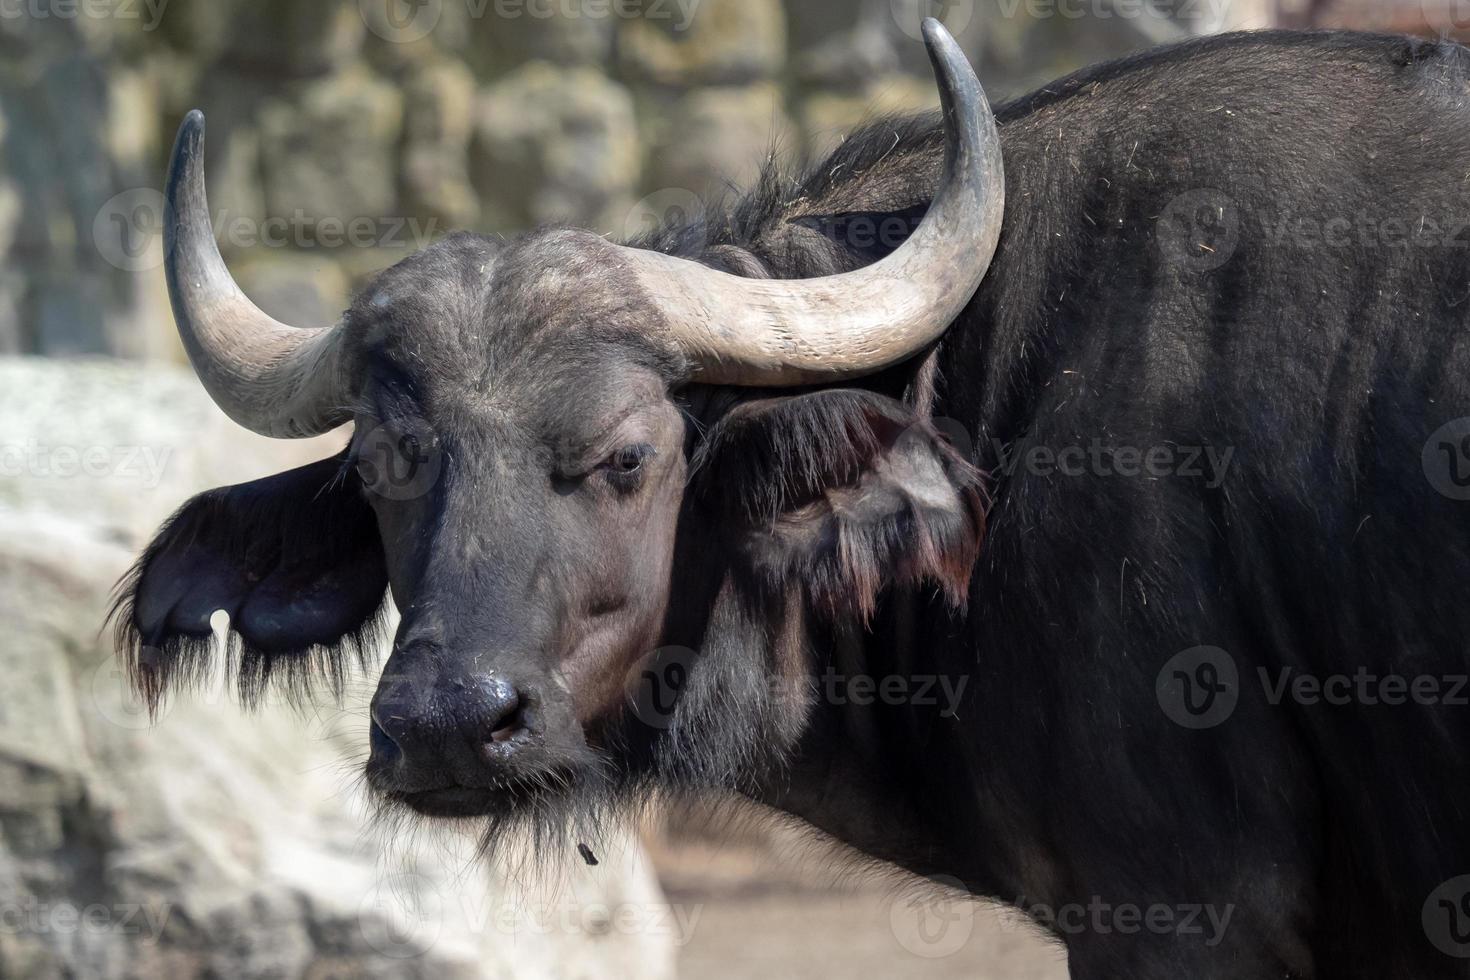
column 296, row 562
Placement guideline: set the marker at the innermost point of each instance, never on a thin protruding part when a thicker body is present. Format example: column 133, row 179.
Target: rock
column 14, row 337
column 402, row 34
column 827, row 117
column 574, row 158
column 716, row 138
column 215, row 844
column 329, row 149
column 709, row 42
column 843, row 46
column 1028, row 52
column 565, row 32
column 131, row 135
column 304, row 289
column 114, row 448
column 849, row 60
column 439, row 119
column 10, row 211
column 269, row 38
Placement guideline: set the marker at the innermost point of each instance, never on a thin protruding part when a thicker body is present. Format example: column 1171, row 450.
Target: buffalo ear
column 295, row 560
column 844, row 492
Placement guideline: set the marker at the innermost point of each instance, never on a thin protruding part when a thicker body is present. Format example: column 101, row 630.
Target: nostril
column 381, row 744
column 503, row 711
column 507, row 727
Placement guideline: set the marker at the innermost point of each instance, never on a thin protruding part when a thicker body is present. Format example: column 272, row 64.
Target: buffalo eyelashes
column 625, row 467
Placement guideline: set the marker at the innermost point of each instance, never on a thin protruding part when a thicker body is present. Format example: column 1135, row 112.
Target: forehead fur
column 480, row 311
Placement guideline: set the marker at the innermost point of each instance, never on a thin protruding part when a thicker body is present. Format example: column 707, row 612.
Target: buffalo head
column 572, row 461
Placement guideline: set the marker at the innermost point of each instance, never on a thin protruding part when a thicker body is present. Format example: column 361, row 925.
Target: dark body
column 1123, row 308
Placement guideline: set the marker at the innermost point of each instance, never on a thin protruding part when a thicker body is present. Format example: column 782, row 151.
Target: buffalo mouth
column 503, row 795
column 452, row 802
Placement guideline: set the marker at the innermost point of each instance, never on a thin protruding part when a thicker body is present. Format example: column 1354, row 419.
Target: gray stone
column 439, row 116
column 720, row 137
column 568, row 32
column 555, row 144
column 329, row 149
column 840, row 45
column 710, row 42
column 828, row 116
column 304, row 289
column 402, row 34
column 269, row 38
column 14, row 337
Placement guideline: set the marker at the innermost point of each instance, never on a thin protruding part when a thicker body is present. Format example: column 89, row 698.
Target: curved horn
column 277, row 380
column 795, row 332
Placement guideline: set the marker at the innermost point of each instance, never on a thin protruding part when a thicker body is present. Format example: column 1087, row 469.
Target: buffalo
column 1068, row 503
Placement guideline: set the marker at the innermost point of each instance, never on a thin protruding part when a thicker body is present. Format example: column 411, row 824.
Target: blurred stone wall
column 345, row 134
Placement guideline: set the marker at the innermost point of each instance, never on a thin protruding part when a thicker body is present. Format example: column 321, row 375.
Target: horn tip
column 191, row 130
column 935, row 32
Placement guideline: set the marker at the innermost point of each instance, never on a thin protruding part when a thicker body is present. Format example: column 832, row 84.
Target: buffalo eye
column 625, row 467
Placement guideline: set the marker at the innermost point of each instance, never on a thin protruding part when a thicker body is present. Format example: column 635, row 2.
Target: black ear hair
column 295, row 560
column 843, row 492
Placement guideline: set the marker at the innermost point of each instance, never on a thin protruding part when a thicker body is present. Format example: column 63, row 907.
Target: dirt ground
column 759, row 907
